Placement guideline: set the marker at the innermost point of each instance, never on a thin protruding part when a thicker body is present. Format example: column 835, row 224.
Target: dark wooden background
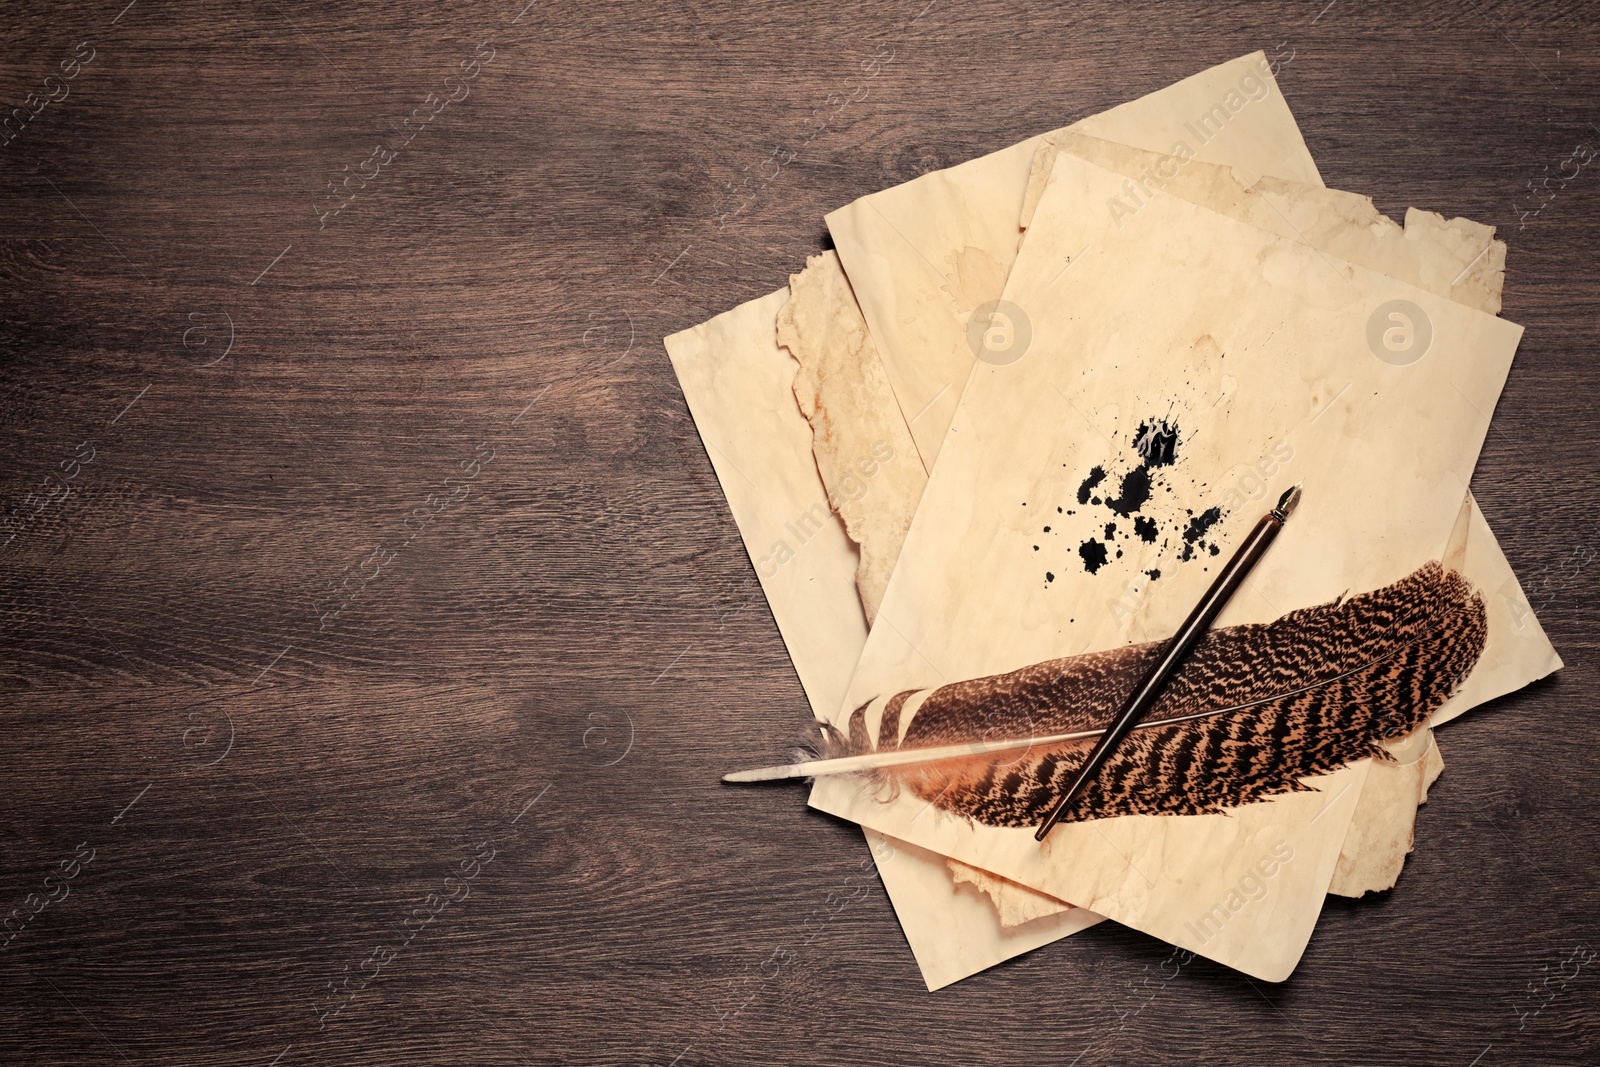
column 279, row 713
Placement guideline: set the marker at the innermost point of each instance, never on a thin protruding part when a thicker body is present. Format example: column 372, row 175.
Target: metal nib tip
column 1287, row 503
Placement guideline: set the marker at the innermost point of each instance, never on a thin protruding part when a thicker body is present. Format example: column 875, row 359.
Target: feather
column 1255, row 709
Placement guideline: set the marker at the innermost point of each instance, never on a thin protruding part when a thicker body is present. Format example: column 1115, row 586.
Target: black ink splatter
column 1049, row 577
column 1195, row 532
column 1127, row 492
column 1135, row 491
column 1096, row 476
column 1157, row 442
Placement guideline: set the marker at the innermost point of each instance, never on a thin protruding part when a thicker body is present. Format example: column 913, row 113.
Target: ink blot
column 1135, row 491
column 1096, row 476
column 1126, row 486
column 1194, row 533
column 1157, row 442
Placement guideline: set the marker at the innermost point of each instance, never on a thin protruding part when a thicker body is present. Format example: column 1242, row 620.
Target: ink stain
column 1135, row 491
column 1049, row 577
column 1126, row 493
column 1157, row 442
column 1194, row 533
column 1096, row 476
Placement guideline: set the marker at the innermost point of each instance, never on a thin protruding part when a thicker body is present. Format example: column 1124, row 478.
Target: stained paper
column 1244, row 339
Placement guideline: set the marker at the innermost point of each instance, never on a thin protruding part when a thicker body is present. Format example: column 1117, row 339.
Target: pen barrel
column 1176, row 651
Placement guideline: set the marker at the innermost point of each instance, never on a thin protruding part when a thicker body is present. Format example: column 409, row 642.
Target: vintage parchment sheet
column 923, row 255
column 1457, row 258
column 1250, row 340
column 863, row 448
column 739, row 387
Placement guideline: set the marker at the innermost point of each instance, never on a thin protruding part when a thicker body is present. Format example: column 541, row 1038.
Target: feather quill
column 1255, row 709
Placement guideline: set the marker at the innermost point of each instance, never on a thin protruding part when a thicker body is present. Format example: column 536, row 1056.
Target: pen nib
column 1287, row 503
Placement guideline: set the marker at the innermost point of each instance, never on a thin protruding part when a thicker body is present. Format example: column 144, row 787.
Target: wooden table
column 376, row 630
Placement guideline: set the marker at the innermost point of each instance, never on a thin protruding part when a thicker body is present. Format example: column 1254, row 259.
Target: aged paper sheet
column 863, row 448
column 739, row 387
column 967, row 568
column 924, row 255
column 1458, row 259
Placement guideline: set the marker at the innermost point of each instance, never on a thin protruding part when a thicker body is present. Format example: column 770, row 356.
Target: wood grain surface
column 375, row 631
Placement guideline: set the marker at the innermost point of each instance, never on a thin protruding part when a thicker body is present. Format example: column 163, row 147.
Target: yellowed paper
column 955, row 930
column 919, row 307
column 960, row 202
column 1188, row 330
column 1014, row 903
column 924, row 256
column 739, row 387
column 864, row 451
column 1382, row 831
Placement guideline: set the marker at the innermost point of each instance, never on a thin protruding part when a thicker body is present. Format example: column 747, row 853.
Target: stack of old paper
column 927, row 441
